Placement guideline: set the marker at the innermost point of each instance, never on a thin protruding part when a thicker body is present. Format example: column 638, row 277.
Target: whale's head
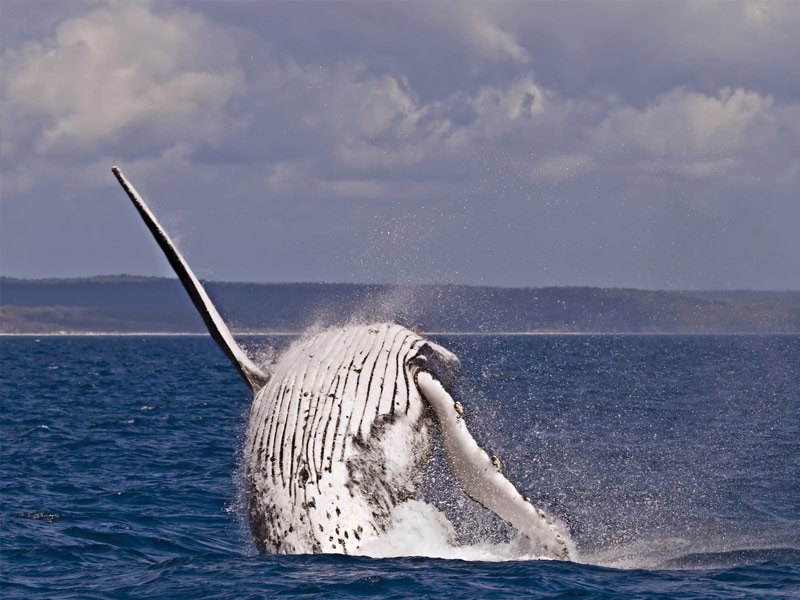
column 438, row 361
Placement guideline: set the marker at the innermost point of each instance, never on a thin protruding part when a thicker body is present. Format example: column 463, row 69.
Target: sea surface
column 675, row 461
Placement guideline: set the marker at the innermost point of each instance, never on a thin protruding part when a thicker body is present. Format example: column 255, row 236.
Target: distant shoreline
column 121, row 305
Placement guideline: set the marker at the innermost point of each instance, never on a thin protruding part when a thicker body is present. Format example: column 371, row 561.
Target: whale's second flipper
column 254, row 376
column 480, row 476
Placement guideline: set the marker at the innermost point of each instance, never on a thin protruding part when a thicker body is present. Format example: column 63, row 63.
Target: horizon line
column 387, row 284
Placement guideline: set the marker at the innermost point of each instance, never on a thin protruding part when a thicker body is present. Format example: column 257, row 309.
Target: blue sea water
column 673, row 459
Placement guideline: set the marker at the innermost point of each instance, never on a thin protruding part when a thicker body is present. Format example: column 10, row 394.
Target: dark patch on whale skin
column 445, row 368
column 367, row 469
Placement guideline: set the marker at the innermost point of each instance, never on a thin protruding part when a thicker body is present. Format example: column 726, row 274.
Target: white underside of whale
column 334, row 440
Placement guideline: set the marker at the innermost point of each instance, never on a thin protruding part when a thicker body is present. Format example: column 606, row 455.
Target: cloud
column 690, row 133
column 387, row 103
column 692, row 124
column 589, row 136
column 489, row 37
column 118, row 71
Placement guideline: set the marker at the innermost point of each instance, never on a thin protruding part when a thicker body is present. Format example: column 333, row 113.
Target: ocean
column 673, row 459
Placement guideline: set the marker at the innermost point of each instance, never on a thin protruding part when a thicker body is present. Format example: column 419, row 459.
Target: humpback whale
column 340, row 428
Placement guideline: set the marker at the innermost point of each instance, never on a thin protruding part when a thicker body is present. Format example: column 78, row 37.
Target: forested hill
column 150, row 304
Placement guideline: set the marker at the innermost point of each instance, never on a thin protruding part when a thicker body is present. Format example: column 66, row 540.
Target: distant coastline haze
column 126, row 304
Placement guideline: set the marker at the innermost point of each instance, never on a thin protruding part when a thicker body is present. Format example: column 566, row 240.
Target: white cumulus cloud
column 117, row 70
column 704, row 134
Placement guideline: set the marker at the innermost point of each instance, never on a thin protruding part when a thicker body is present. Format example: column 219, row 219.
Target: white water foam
column 420, row 529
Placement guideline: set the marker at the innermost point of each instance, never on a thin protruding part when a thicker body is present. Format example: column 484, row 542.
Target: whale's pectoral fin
column 255, row 377
column 479, row 475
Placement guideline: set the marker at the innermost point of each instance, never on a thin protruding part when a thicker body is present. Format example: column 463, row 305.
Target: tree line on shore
column 123, row 304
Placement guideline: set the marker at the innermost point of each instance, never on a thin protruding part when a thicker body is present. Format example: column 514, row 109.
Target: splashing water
column 420, row 529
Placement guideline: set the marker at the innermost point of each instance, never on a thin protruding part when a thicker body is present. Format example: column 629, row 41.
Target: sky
column 651, row 145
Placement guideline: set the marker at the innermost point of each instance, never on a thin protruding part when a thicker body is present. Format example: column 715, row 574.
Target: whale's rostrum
column 340, row 429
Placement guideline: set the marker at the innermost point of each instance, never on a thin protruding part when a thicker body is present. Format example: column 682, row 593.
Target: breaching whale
column 340, row 427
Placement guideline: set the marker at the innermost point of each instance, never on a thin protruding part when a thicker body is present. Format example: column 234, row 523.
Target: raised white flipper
column 480, row 478
column 255, row 377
